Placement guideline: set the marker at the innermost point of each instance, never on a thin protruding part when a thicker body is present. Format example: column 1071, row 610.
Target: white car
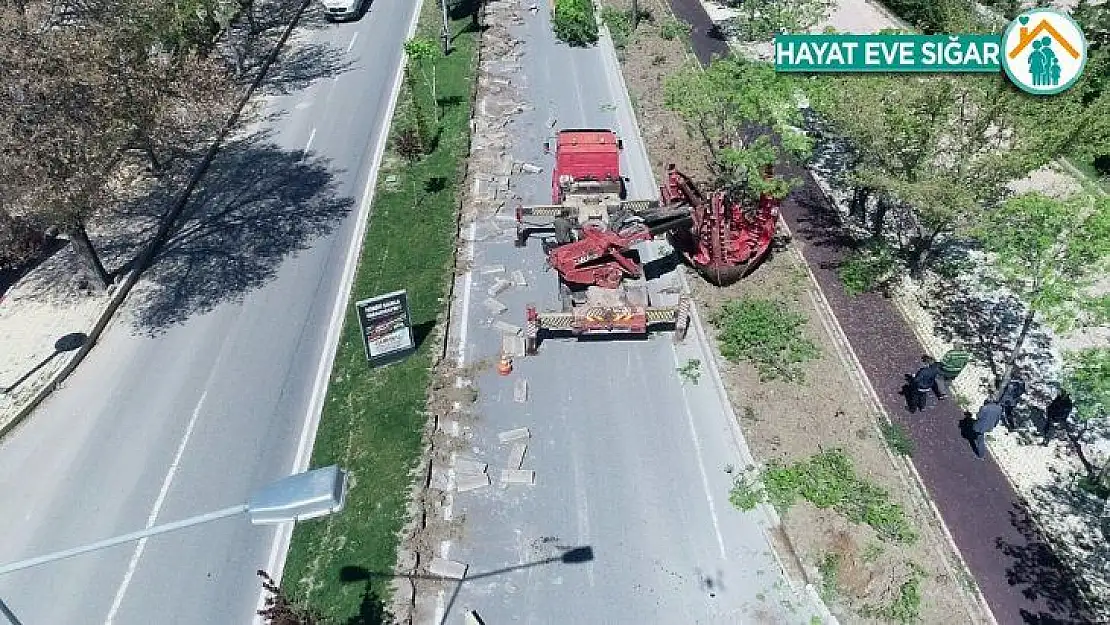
column 335, row 10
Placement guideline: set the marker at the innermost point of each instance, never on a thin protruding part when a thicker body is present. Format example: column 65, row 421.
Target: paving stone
column 472, row 481
column 518, row 434
column 447, row 568
column 517, row 476
column 512, row 345
column 470, row 467
column 516, row 455
column 507, row 328
column 520, row 391
column 495, row 307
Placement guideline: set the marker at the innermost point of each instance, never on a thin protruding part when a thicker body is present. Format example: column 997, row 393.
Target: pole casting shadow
column 67, row 343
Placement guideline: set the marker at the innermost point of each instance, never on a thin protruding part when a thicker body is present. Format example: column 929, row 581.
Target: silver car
column 342, row 10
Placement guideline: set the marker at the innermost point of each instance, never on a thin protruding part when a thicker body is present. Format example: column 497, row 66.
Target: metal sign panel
column 386, row 328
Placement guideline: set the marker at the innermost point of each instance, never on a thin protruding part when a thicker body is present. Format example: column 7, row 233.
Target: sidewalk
column 1016, row 569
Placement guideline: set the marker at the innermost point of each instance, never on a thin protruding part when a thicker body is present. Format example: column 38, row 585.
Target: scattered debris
column 488, row 269
column 516, row 455
column 447, row 568
column 495, row 307
column 514, row 435
column 529, row 168
column 470, row 466
column 439, row 480
column 520, row 391
column 507, row 328
column 472, row 481
column 498, row 286
column 518, row 278
column 512, row 345
column 517, row 476
column 534, row 9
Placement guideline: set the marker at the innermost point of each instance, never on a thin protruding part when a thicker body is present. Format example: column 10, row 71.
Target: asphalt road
column 156, row 429
column 629, row 461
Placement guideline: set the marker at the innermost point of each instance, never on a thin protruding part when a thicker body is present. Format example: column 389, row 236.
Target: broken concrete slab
column 495, row 307
column 517, row 476
column 498, row 286
column 490, row 269
column 518, row 278
column 507, row 328
column 516, row 455
column 471, row 618
column 518, row 434
column 529, row 168
column 471, row 481
column 520, row 391
column 513, row 345
column 482, row 231
column 447, row 568
column 470, row 467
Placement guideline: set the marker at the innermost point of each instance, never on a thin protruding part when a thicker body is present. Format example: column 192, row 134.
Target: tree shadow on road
column 257, row 204
column 1042, row 577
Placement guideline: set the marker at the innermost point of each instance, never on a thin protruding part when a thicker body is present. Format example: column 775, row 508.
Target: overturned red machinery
column 728, row 238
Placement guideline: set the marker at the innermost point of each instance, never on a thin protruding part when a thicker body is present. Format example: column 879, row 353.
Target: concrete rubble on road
column 499, row 285
column 495, row 307
column 520, row 391
column 447, row 568
column 512, row 345
column 514, row 435
column 518, row 278
column 517, row 476
column 507, row 328
column 516, row 455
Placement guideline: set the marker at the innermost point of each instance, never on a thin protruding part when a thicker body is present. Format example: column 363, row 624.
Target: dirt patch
column 788, row 422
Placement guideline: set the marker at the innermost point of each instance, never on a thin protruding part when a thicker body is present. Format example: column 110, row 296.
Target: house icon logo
column 1045, row 51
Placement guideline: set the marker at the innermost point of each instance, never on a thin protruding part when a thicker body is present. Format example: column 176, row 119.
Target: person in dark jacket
column 1056, row 413
column 1009, row 399
column 989, row 416
column 923, row 381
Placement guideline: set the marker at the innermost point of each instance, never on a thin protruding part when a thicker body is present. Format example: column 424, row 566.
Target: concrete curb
column 147, row 257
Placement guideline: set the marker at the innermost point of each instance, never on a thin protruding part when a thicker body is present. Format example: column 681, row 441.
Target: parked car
column 344, row 10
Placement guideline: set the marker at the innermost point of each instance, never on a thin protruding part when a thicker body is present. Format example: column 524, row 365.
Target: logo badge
column 1044, row 51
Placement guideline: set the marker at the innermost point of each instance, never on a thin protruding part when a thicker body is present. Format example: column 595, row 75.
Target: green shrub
column 673, row 28
column 826, row 480
column 867, row 269
column 620, row 25
column 575, row 23
column 898, row 439
column 766, row 334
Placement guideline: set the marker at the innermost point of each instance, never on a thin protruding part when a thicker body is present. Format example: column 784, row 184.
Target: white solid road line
column 117, row 601
column 278, row 552
column 308, row 146
column 354, row 38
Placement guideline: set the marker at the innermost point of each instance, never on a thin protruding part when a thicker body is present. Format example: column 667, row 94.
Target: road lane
column 628, row 461
column 92, row 462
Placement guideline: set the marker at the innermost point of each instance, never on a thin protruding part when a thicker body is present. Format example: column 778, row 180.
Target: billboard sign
column 386, row 328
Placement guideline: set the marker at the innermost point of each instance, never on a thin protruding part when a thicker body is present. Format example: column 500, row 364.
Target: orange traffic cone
column 505, row 366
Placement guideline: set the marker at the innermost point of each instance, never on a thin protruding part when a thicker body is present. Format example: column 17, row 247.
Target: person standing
column 1056, row 413
column 989, row 416
column 923, row 381
column 1009, row 399
column 951, row 365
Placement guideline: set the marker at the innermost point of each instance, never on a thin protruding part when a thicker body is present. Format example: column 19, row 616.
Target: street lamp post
column 298, row 497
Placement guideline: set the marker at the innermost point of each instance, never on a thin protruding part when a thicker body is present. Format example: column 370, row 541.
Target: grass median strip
column 373, row 419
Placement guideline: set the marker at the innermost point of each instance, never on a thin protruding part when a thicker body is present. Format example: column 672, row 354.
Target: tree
column 1048, row 252
column 731, row 105
column 574, row 22
column 761, row 20
column 945, row 146
column 62, row 126
column 422, row 51
column 1087, row 380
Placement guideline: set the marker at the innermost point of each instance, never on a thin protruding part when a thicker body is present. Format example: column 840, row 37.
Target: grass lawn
column 373, row 419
